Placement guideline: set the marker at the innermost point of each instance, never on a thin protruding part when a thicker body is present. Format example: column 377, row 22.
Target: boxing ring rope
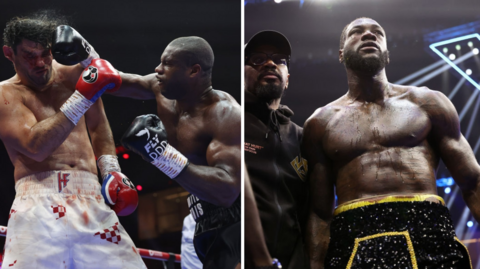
column 144, row 253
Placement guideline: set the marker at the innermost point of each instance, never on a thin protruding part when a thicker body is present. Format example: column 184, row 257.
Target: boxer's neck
column 193, row 99
column 365, row 88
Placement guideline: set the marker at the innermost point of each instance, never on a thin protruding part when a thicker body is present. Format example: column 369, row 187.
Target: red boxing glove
column 119, row 193
column 95, row 79
column 98, row 77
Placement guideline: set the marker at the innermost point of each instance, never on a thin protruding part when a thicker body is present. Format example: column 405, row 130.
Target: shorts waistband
column 55, row 182
column 387, row 199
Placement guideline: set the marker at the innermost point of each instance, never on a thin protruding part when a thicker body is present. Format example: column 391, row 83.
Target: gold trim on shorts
column 387, row 199
column 404, row 233
column 466, row 249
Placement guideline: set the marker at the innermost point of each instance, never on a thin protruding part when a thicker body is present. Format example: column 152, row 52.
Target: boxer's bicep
column 224, row 150
column 458, row 156
column 452, row 146
column 321, row 190
column 137, row 86
column 320, row 178
column 463, row 166
column 99, row 129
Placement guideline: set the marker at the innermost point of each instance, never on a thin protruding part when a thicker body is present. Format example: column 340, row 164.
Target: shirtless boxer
column 379, row 145
column 202, row 127
column 59, row 218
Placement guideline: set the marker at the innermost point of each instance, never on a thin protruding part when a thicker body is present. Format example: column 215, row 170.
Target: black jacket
column 277, row 173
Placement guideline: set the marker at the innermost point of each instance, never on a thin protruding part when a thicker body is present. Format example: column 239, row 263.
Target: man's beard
column 369, row 65
column 269, row 92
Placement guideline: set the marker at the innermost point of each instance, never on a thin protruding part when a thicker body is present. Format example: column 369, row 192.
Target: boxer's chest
column 356, row 130
column 47, row 103
column 190, row 135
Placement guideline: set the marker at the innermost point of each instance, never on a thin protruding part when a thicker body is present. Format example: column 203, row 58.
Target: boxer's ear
column 8, row 52
column 195, row 70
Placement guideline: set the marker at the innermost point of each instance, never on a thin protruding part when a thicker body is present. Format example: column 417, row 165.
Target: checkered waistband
column 51, row 182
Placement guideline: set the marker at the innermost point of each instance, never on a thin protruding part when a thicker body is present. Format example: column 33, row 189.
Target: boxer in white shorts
column 59, row 218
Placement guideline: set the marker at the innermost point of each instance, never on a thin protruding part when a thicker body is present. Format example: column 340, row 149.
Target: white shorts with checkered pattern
column 60, row 220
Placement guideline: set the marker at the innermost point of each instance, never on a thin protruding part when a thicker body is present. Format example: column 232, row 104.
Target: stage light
column 448, row 190
column 126, row 156
column 278, row 1
column 445, row 182
column 468, row 71
column 470, row 44
column 470, row 223
column 451, row 57
column 139, row 187
column 445, row 50
column 458, row 47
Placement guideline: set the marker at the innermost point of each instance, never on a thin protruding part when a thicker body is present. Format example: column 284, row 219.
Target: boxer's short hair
column 195, row 50
column 37, row 27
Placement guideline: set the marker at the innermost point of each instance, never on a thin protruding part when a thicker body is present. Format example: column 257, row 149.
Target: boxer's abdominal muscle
column 75, row 153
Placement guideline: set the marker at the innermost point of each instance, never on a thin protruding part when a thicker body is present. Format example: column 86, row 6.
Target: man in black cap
column 272, row 153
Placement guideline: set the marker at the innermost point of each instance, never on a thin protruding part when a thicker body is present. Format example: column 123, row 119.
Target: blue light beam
column 434, row 48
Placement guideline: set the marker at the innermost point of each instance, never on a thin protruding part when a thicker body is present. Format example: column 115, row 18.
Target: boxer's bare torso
column 75, row 153
column 380, row 148
column 192, row 130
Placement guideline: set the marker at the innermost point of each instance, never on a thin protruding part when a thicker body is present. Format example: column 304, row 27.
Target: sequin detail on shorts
column 384, row 227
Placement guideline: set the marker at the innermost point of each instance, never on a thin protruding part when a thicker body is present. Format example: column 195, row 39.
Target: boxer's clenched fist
column 95, row 80
column 119, row 193
column 70, row 48
column 147, row 137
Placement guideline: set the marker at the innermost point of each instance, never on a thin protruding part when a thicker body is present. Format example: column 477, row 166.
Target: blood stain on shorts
column 98, row 198
column 85, row 217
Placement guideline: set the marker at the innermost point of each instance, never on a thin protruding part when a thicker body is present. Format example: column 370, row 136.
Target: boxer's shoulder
column 223, row 106
column 431, row 101
column 418, row 95
column 12, row 91
column 324, row 114
column 223, row 98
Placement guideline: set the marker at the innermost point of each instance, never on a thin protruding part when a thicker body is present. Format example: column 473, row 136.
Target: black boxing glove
column 147, row 137
column 70, row 48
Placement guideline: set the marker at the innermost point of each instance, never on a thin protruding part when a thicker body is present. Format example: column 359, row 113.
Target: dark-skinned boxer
column 378, row 148
column 204, row 125
column 195, row 141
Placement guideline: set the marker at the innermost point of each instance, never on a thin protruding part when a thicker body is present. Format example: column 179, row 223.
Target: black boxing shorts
column 395, row 232
column 217, row 233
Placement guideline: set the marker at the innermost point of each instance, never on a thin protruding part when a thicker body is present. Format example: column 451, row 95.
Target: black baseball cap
column 272, row 38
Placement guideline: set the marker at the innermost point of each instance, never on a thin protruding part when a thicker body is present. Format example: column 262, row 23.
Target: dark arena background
column 132, row 36
column 431, row 43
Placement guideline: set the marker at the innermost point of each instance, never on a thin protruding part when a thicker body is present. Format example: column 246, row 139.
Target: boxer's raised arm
column 39, row 139
column 70, row 48
column 322, row 196
column 454, row 149
column 219, row 182
column 137, row 86
column 99, row 130
column 22, row 132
